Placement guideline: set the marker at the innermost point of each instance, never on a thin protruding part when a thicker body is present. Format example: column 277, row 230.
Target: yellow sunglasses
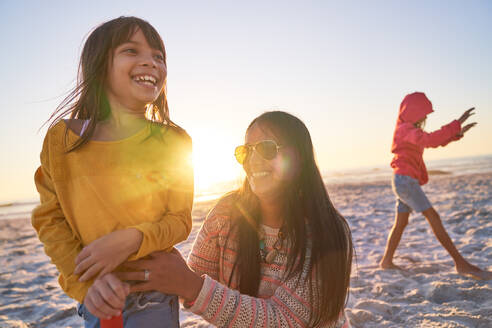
column 267, row 149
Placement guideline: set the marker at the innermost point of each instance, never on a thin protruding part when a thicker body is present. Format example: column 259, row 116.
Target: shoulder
column 73, row 124
column 174, row 131
column 54, row 143
column 220, row 216
column 406, row 129
column 172, row 136
column 55, row 134
column 225, row 205
column 406, row 126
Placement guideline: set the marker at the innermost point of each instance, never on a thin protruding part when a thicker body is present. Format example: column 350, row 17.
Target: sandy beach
column 427, row 293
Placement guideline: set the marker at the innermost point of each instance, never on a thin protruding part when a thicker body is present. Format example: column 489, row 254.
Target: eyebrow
column 130, row 41
column 137, row 43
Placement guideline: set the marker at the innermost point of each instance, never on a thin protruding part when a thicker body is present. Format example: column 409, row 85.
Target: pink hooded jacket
column 409, row 141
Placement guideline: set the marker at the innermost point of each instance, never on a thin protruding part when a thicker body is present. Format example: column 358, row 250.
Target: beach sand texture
column 428, row 293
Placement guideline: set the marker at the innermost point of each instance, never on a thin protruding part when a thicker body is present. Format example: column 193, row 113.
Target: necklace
column 269, row 257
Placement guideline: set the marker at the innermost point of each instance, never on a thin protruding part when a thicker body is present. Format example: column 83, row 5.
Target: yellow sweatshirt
column 144, row 181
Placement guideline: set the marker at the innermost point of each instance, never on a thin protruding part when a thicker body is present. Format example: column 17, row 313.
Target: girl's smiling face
column 136, row 74
column 267, row 178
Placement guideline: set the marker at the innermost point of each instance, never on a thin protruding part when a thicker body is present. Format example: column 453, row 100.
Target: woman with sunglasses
column 273, row 253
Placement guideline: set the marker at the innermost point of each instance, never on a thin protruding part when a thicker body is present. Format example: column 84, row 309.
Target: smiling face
column 136, row 74
column 267, row 178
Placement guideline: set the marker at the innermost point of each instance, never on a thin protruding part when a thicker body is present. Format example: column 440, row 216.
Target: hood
column 414, row 107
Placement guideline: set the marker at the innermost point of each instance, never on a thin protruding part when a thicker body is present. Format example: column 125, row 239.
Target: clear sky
column 343, row 67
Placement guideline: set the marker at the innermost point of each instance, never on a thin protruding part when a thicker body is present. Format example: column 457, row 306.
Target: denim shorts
column 142, row 309
column 409, row 194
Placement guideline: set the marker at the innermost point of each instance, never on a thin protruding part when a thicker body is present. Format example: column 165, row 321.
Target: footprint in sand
column 375, row 306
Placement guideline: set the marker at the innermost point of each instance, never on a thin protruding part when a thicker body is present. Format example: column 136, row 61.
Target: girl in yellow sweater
column 115, row 180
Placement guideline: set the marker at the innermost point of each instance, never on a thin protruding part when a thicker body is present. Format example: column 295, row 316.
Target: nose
column 254, row 158
column 148, row 60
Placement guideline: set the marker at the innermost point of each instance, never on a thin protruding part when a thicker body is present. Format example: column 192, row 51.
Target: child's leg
column 401, row 186
column 462, row 265
column 435, row 222
column 401, row 221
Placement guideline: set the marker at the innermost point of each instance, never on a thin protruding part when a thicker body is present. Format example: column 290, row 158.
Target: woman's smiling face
column 267, row 178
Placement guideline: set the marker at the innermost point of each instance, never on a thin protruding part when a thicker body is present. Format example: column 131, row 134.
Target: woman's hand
column 466, row 115
column 106, row 297
column 167, row 273
column 103, row 255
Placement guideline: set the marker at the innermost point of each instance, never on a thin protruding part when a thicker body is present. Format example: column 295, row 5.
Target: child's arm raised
column 60, row 242
column 462, row 120
column 450, row 132
column 441, row 137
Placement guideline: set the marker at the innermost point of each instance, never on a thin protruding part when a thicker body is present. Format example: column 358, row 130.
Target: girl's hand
column 466, row 128
column 103, row 255
column 106, row 297
column 167, row 273
column 466, row 115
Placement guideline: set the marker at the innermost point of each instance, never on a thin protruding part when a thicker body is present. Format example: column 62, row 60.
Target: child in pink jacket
column 409, row 173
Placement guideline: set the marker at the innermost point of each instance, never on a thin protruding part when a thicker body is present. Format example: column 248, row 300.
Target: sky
column 343, row 67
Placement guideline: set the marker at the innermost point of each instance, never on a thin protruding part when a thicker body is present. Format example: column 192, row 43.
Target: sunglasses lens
column 267, row 149
column 241, row 153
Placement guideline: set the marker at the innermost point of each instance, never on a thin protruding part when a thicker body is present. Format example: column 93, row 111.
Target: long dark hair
column 88, row 99
column 311, row 222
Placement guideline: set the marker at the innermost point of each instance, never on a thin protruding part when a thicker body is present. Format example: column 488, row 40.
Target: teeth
column 259, row 174
column 146, row 78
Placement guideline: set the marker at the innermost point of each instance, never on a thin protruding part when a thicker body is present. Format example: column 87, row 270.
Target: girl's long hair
column 312, row 221
column 88, row 100
column 421, row 124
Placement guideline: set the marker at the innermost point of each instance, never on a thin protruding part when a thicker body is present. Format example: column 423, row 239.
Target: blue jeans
column 145, row 309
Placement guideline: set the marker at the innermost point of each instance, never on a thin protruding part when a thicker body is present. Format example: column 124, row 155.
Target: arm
column 60, row 242
column 205, row 253
column 106, row 297
column 289, row 306
column 106, row 253
column 215, row 302
column 441, row 137
column 222, row 306
column 175, row 224
column 169, row 271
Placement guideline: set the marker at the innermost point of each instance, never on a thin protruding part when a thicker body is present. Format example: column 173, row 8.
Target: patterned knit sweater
column 280, row 303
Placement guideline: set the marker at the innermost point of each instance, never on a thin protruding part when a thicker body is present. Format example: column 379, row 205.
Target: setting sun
column 215, row 167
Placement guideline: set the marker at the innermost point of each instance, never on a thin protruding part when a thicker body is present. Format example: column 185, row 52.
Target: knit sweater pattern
column 281, row 301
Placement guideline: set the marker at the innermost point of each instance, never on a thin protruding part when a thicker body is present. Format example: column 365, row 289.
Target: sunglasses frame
column 252, row 148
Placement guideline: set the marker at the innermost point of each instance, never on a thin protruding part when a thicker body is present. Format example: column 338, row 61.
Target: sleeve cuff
column 458, row 125
column 73, row 288
column 204, row 297
column 142, row 250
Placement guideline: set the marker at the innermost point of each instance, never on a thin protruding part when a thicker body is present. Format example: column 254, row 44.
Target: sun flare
column 215, row 167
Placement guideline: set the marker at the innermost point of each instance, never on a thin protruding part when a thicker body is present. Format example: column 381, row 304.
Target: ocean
column 452, row 166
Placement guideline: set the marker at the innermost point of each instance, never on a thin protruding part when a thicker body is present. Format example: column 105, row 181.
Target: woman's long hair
column 88, row 100
column 312, row 221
